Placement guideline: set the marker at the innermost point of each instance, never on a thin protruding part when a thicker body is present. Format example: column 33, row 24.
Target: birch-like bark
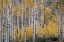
column 17, row 19
column 32, row 19
column 25, row 24
column 12, row 16
column 59, row 23
column 7, row 23
column 63, row 27
column 42, row 17
column 32, row 23
column 33, row 28
column 14, row 26
column 35, row 21
column 22, row 15
column 0, row 29
column 11, row 20
column 2, row 21
column 29, row 14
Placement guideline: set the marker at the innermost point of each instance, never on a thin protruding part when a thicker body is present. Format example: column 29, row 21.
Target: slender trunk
column 12, row 16
column 2, row 21
column 7, row 23
column 42, row 17
column 0, row 30
column 61, row 32
column 33, row 28
column 11, row 20
column 35, row 20
column 32, row 18
column 25, row 24
column 17, row 20
column 22, row 18
column 22, row 15
column 2, row 18
column 14, row 28
column 29, row 14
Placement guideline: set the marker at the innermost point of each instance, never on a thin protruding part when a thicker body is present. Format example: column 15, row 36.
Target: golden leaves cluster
column 51, row 29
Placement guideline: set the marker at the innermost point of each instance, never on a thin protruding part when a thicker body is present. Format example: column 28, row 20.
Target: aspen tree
column 14, row 21
column 42, row 17
column 25, row 24
column 19, row 16
column 11, row 18
column 7, row 22
column 35, row 20
column 22, row 30
column 17, row 19
column 2, row 19
column 24, row 14
column 0, row 28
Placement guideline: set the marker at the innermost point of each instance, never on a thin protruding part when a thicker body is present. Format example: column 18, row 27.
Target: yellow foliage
column 47, row 10
column 56, row 0
column 4, row 29
column 41, row 17
column 20, row 9
column 45, row 31
column 20, row 40
column 29, row 31
column 6, row 0
column 38, row 29
column 51, row 29
column 4, row 5
column 42, row 6
column 22, row 33
column 14, row 11
column 0, row 2
column 0, row 8
column 53, row 18
column 29, row 2
column 16, row 33
column 19, row 15
column 13, row 33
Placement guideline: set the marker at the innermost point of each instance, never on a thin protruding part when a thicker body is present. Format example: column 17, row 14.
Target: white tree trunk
column 22, row 15
column 2, row 20
column 25, row 24
column 7, row 24
column 17, row 16
column 0, row 30
column 35, row 21
column 29, row 15
column 32, row 19
column 42, row 16
column 11, row 20
column 17, row 21
column 63, row 27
